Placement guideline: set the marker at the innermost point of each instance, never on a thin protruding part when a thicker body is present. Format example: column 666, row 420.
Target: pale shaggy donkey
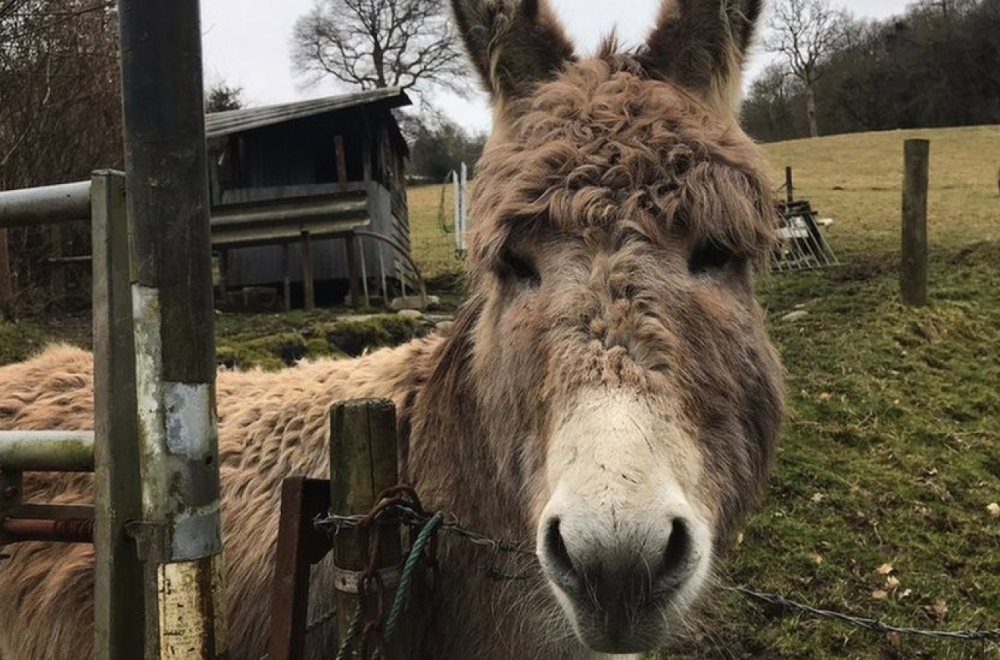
column 608, row 390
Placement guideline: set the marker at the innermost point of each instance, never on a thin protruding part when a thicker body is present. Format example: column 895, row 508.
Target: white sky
column 246, row 43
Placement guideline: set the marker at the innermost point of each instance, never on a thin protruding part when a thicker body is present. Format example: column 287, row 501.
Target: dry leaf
column 818, row 497
column 825, row 396
column 906, row 593
column 891, row 583
column 739, row 538
column 894, row 639
column 938, row 610
column 880, row 594
column 816, row 558
column 994, row 509
column 884, row 569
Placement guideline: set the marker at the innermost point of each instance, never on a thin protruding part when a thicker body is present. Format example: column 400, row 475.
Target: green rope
column 401, row 602
column 345, row 651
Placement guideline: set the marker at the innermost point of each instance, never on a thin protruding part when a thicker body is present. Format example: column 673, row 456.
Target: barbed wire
column 402, row 514
column 973, row 634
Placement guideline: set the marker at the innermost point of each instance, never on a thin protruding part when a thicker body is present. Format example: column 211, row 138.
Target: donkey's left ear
column 514, row 44
column 702, row 45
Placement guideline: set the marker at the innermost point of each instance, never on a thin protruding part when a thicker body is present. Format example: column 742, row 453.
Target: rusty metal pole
column 171, row 279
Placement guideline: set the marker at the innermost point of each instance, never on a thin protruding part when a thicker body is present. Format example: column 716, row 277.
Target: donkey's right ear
column 514, row 44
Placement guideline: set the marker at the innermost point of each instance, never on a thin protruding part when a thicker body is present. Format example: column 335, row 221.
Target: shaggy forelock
column 605, row 146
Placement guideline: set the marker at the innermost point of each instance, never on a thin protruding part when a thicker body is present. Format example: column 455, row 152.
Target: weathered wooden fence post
column 308, row 277
column 353, row 269
column 789, row 189
column 913, row 270
column 180, row 531
column 118, row 578
column 362, row 465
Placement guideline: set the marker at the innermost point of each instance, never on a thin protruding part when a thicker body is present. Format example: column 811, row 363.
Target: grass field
column 882, row 503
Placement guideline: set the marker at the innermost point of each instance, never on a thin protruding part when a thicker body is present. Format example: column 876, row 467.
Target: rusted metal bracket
column 300, row 545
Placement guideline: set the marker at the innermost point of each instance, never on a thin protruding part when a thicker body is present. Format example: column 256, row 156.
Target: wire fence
column 402, row 514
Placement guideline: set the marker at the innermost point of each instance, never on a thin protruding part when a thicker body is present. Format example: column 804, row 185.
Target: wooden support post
column 998, row 185
column 308, row 283
column 6, row 279
column 300, row 545
column 179, row 535
column 913, row 271
column 789, row 188
column 118, row 575
column 223, row 270
column 353, row 269
column 362, row 465
column 57, row 274
column 341, row 161
column 286, row 276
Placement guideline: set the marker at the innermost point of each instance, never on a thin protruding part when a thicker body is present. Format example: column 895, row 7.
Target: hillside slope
column 856, row 180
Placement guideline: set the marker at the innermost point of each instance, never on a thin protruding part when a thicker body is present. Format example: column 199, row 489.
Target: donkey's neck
column 449, row 451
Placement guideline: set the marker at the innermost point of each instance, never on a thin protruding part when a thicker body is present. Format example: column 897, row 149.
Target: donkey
column 608, row 390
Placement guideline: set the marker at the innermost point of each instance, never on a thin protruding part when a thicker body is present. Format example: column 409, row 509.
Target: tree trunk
column 6, row 284
column 811, row 111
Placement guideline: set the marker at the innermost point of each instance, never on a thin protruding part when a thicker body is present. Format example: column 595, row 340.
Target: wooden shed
column 312, row 193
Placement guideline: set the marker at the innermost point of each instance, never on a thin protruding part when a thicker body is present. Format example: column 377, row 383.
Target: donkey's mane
column 606, row 146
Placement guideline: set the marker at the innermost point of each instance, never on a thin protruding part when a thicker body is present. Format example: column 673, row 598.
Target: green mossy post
column 362, row 465
column 179, row 535
column 913, row 271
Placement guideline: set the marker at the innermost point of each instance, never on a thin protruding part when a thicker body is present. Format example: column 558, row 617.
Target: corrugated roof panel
column 218, row 124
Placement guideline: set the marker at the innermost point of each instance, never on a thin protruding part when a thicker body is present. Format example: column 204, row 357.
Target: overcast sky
column 246, row 43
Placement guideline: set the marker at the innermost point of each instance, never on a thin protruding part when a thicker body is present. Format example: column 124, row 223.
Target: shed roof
column 218, row 124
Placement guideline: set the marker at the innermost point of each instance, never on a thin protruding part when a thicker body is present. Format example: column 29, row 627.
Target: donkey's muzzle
column 618, row 583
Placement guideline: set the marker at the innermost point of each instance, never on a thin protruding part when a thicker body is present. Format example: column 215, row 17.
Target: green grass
column 855, row 179
column 244, row 341
column 890, row 455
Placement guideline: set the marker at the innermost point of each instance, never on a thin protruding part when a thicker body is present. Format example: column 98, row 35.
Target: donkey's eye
column 516, row 267
column 708, row 257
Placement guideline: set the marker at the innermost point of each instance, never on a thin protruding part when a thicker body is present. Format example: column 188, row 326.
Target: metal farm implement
column 801, row 246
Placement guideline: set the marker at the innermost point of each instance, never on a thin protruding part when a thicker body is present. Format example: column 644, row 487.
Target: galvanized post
column 180, row 532
column 118, row 594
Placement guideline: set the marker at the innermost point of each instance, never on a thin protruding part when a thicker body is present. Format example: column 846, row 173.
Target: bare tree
column 60, row 118
column 222, row 96
column 806, row 33
column 380, row 43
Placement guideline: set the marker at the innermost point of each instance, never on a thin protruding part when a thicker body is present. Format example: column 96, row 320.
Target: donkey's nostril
column 558, row 555
column 676, row 560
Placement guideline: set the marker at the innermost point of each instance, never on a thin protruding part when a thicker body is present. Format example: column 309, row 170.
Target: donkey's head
column 619, row 215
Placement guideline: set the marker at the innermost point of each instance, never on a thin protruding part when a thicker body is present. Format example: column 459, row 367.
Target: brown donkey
column 608, row 390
